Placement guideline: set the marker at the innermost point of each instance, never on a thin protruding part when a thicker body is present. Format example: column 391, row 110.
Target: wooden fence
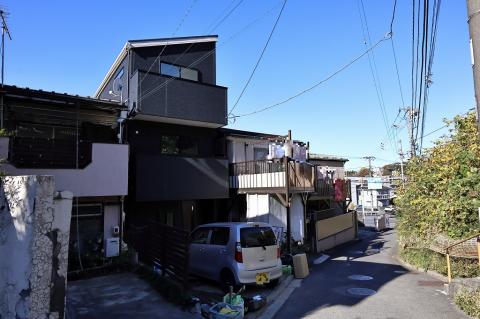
column 165, row 246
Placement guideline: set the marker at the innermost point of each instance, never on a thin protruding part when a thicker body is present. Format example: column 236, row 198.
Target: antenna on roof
column 5, row 30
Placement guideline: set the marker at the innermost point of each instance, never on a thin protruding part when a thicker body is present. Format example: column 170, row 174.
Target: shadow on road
column 329, row 283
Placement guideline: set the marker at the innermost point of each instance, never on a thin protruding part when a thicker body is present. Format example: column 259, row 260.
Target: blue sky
column 68, row 46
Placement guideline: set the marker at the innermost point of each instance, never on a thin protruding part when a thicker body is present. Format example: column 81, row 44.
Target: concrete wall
column 265, row 208
column 34, row 235
column 335, row 231
column 106, row 175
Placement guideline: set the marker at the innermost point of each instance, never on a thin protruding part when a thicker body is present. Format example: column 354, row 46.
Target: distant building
column 373, row 195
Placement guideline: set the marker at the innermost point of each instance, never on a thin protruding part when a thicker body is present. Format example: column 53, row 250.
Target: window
column 200, row 236
column 189, row 74
column 257, row 237
column 260, row 153
column 120, row 73
column 178, row 145
column 179, row 71
column 220, row 236
column 169, row 145
column 170, row 70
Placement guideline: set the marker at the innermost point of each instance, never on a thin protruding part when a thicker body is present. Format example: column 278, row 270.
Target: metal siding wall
column 161, row 177
column 144, row 57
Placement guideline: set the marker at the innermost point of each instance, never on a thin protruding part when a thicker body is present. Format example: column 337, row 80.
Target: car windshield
column 257, row 237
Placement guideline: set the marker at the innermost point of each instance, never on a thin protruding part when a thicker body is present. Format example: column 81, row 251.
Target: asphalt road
column 398, row 293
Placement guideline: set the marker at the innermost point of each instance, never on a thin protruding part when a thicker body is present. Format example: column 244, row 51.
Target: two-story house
column 271, row 173
column 74, row 139
column 178, row 167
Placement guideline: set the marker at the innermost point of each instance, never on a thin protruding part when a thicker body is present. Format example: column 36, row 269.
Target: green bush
column 469, row 302
column 430, row 260
column 442, row 193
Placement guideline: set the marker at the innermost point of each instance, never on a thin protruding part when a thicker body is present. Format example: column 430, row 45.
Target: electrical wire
column 222, row 19
column 185, row 15
column 428, row 81
column 314, row 85
column 259, row 58
column 396, row 69
column 209, row 53
column 373, row 67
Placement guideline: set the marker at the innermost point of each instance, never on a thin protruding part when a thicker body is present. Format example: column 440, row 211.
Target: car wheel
column 273, row 283
column 227, row 279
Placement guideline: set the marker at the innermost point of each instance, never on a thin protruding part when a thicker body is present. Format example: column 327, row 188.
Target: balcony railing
column 178, row 100
column 30, row 152
column 266, row 175
column 326, row 188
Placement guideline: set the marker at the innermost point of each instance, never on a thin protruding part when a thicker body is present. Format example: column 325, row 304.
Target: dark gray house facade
column 178, row 168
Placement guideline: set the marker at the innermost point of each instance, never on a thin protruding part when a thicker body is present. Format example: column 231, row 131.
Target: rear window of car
column 257, row 237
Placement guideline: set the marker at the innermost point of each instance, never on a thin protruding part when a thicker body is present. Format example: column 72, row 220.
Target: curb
column 272, row 309
column 432, row 273
column 271, row 299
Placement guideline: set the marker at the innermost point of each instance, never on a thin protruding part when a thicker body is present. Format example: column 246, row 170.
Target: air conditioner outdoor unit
column 112, row 247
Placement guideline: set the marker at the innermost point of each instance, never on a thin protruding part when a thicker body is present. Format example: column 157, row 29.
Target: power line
column 184, row 17
column 209, row 53
column 373, row 66
column 446, row 125
column 314, row 85
column 398, row 73
column 226, row 16
column 428, row 81
column 213, row 28
column 259, row 58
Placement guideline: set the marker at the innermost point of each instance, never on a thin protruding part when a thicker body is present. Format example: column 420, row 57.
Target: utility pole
column 370, row 159
column 411, row 113
column 402, row 156
column 473, row 13
column 6, row 31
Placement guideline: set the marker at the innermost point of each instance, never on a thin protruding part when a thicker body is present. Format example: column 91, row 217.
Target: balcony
column 178, row 101
column 102, row 168
column 270, row 177
column 326, row 189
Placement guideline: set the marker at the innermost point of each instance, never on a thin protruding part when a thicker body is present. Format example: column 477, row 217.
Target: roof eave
column 140, row 44
column 116, row 63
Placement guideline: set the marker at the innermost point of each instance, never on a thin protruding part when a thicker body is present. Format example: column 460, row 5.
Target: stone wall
column 34, row 235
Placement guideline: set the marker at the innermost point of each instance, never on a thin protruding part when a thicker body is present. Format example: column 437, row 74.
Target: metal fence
column 163, row 246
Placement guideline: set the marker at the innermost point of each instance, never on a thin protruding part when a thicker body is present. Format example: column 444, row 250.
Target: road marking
column 361, row 292
column 321, row 259
column 360, row 277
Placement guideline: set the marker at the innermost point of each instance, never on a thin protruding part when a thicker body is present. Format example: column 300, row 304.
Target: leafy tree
column 363, row 172
column 351, row 173
column 442, row 193
column 391, row 169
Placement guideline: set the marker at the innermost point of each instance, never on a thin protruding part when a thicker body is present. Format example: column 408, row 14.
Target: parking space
column 118, row 296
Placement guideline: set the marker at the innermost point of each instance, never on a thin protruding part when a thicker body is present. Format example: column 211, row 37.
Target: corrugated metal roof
column 325, row 157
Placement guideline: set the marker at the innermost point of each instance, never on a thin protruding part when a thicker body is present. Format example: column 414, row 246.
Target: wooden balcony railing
column 268, row 174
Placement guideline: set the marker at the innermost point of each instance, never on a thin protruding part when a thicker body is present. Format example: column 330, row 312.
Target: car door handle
column 202, row 250
column 223, row 251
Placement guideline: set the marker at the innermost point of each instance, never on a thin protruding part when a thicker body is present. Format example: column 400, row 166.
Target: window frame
column 209, row 235
column 180, row 68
